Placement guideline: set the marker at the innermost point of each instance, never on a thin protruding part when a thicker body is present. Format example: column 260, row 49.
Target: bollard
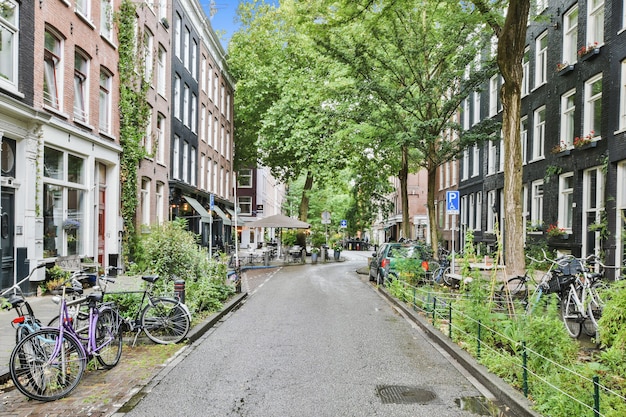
column 179, row 289
column 266, row 258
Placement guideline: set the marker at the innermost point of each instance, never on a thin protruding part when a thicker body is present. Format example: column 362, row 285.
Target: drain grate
column 400, row 394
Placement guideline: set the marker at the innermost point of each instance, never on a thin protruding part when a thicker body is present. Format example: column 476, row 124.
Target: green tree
column 411, row 60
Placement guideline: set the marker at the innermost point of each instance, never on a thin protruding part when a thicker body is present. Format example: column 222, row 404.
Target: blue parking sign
column 452, row 202
column 343, row 223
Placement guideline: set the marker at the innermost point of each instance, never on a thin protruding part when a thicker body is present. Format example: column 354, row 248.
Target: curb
column 501, row 389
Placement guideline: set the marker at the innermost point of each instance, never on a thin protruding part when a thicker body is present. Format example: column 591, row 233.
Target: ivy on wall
column 134, row 113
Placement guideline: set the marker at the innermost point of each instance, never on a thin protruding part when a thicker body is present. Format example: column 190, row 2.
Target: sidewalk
column 45, row 310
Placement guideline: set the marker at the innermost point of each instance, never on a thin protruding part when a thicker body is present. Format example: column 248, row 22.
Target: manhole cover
column 399, row 394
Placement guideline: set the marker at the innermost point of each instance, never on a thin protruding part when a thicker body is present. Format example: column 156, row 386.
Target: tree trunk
column 304, row 203
column 432, row 213
column 511, row 44
column 403, row 176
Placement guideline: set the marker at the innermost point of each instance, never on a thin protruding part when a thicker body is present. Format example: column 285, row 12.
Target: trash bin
column 266, row 258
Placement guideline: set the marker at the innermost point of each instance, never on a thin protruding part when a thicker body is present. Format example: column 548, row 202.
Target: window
column 203, row 77
column 159, row 201
column 186, row 38
column 541, row 6
column 177, row 96
column 524, row 138
column 541, row 59
column 475, row 160
column 178, row 23
column 194, row 112
column 536, row 204
column 81, row 87
column 245, row 205
column 176, row 158
column 194, row 59
column 106, row 19
column 476, row 107
column 147, row 138
column 622, row 96
column 566, row 201
column 52, row 77
column 192, row 169
column 186, row 105
column 104, row 123
column 202, row 134
column 145, row 201
column 570, row 35
column 620, row 256
column 493, row 96
column 539, row 132
column 162, row 71
column 466, row 114
column 83, row 7
column 479, row 211
column 472, row 213
column 160, row 144
column 202, row 168
column 9, row 43
column 148, row 45
column 595, row 22
column 466, row 164
column 64, row 203
column 593, row 107
column 244, row 178
column 593, row 207
column 526, row 72
column 492, row 156
column 492, row 209
column 185, row 161
column 567, row 119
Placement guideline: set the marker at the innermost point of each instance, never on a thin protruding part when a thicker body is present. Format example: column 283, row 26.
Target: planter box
column 566, row 69
column 590, row 55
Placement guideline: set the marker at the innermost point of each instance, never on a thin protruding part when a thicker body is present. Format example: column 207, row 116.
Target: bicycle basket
column 558, row 282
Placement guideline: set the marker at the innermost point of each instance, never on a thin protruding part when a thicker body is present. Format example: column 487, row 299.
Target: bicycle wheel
column 108, row 338
column 595, row 304
column 448, row 279
column 570, row 314
column 43, row 370
column 165, row 321
column 514, row 290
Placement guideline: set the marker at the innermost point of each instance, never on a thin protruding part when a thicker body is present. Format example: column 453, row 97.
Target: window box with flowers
column 563, row 68
column 71, row 224
column 588, row 51
column 556, row 232
column 562, row 149
column 585, row 142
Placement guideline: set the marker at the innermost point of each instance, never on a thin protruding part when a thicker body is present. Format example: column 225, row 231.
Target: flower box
column 563, row 69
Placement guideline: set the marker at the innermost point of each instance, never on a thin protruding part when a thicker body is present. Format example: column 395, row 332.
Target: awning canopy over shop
column 279, row 220
column 222, row 215
column 240, row 221
column 204, row 215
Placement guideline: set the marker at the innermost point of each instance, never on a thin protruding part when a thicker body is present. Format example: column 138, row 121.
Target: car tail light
column 384, row 263
column 425, row 265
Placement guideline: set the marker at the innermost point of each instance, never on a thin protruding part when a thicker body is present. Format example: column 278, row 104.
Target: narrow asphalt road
column 312, row 340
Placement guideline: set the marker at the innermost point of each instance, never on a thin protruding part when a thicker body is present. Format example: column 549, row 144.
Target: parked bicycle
column 48, row 364
column 165, row 320
column 25, row 322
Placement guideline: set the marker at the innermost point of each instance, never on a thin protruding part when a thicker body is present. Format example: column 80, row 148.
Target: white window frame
column 162, row 71
column 541, row 59
column 593, row 207
column 475, row 161
column 176, row 158
column 104, row 110
column 592, row 124
column 106, row 19
column 53, row 72
column 145, row 200
column 570, row 36
column 568, row 109
column 526, row 72
column 524, row 138
column 539, row 133
column 566, row 201
column 81, row 87
column 476, row 108
column 160, row 145
column 595, row 22
column 9, row 45
column 493, row 95
column 622, row 96
column 148, row 51
column 536, row 203
column 185, row 167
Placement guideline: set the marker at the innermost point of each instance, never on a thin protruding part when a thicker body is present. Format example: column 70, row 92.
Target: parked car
column 384, row 260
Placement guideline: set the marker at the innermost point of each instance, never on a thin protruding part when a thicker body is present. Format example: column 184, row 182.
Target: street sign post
column 452, row 207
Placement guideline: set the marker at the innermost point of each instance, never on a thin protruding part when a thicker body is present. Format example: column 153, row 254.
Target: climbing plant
column 134, row 113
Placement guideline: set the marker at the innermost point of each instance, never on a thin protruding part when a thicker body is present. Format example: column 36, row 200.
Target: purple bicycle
column 48, row 364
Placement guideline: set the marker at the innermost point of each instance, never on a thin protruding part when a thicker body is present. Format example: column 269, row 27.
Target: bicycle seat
column 15, row 300
column 95, row 296
column 150, row 278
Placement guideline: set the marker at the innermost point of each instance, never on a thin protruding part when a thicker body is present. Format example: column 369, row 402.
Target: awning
column 279, row 220
column 204, row 215
column 240, row 221
column 223, row 215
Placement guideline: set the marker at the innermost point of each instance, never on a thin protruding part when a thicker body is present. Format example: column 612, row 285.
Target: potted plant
column 315, row 251
column 337, row 250
column 554, row 231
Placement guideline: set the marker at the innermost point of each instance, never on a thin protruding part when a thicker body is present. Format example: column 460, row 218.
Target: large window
column 244, row 179
column 541, row 59
column 9, row 43
column 105, row 101
column 593, row 208
column 539, row 132
column 52, row 76
column 593, row 107
column 570, row 35
column 106, row 19
column 568, row 106
column 536, row 204
column 81, row 87
column 245, row 205
column 595, row 22
column 64, row 206
column 566, row 201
